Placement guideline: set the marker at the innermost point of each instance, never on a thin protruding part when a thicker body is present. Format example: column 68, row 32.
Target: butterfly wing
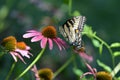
column 72, row 29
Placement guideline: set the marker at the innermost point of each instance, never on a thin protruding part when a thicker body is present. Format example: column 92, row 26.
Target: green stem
column 109, row 49
column 63, row 66
column 11, row 70
column 29, row 67
column 1, row 54
column 70, row 7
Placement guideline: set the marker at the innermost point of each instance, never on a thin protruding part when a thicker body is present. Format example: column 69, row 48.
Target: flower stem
column 109, row 49
column 70, row 7
column 10, row 72
column 29, row 67
column 63, row 66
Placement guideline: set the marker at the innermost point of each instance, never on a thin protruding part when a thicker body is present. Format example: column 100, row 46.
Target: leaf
column 101, row 48
column 114, row 45
column 76, row 13
column 96, row 43
column 104, row 66
column 116, row 70
column 117, row 53
column 78, row 72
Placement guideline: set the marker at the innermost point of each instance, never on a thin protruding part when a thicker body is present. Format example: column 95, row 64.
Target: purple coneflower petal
column 50, row 43
column 29, row 35
column 37, row 38
column 14, row 54
column 55, row 40
column 86, row 57
column 34, row 69
column 85, row 74
column 90, row 69
column 14, row 57
column 28, row 48
column 43, row 42
column 32, row 31
column 23, row 52
column 61, row 43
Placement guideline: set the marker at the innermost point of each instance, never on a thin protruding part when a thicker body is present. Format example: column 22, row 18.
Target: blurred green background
column 18, row 16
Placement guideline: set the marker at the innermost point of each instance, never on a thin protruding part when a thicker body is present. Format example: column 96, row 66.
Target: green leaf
column 101, row 48
column 3, row 12
column 117, row 53
column 78, row 72
column 88, row 31
column 76, row 13
column 104, row 66
column 114, row 45
column 96, row 43
column 116, row 70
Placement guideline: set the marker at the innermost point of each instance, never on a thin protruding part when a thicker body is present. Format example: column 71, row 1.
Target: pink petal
column 86, row 57
column 43, row 42
column 55, row 40
column 32, row 31
column 28, row 35
column 50, row 44
column 90, row 68
column 37, row 38
column 34, row 69
column 14, row 57
column 19, row 56
column 23, row 52
column 28, row 48
column 14, row 54
column 61, row 43
column 85, row 74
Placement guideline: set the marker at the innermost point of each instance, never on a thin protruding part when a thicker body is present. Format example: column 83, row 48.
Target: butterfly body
column 72, row 29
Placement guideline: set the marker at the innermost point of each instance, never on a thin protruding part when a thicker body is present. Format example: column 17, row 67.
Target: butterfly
column 71, row 30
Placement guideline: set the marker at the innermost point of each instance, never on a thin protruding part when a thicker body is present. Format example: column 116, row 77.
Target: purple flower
column 47, row 35
column 42, row 74
column 16, row 49
column 101, row 75
column 83, row 54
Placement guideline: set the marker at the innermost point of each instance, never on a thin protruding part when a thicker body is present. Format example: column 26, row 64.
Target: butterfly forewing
column 72, row 29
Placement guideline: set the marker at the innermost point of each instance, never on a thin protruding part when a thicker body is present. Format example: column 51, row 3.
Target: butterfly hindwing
column 72, row 29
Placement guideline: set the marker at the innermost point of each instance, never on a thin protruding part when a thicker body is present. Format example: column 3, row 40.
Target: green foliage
column 116, row 53
column 115, row 45
column 115, row 70
column 104, row 66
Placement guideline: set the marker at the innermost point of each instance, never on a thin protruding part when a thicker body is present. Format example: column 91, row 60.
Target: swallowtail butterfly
column 71, row 31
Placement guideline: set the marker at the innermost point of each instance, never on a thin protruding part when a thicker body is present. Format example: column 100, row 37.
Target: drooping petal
column 90, row 68
column 62, row 43
column 19, row 56
column 86, row 57
column 23, row 52
column 34, row 69
column 37, row 38
column 43, row 42
column 57, row 44
column 87, row 73
column 13, row 55
column 50, row 43
column 29, row 35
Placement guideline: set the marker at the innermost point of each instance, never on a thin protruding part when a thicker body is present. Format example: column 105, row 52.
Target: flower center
column 49, row 32
column 102, row 75
column 45, row 74
column 9, row 43
column 21, row 45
